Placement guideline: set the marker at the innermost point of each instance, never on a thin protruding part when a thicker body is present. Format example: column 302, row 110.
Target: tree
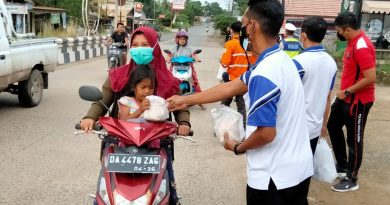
column 192, row 9
column 241, row 4
column 72, row 7
column 213, row 9
column 222, row 21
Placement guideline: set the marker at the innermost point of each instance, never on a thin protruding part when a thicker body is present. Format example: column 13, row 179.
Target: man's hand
column 176, row 103
column 340, row 94
column 183, row 130
column 229, row 144
column 87, row 124
column 324, row 132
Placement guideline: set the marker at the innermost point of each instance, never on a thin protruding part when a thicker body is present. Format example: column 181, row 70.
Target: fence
column 80, row 48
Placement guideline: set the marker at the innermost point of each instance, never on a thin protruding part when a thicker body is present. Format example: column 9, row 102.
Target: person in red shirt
column 353, row 102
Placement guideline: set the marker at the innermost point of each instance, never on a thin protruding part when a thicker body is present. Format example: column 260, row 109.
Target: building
column 297, row 10
column 375, row 20
column 31, row 18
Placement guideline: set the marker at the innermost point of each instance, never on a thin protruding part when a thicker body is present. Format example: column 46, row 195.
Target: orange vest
column 234, row 58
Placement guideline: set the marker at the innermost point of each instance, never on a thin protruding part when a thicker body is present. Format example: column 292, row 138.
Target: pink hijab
column 167, row 85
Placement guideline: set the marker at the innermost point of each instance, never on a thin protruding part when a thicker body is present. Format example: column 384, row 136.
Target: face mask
column 245, row 44
column 142, row 55
column 341, row 37
column 243, row 32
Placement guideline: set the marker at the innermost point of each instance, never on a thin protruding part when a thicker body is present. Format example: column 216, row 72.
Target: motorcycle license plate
column 128, row 163
column 114, row 52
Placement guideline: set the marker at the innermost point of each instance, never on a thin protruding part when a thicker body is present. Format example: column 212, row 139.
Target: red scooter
column 134, row 166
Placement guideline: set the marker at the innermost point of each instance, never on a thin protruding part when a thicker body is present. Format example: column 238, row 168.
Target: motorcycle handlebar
column 96, row 127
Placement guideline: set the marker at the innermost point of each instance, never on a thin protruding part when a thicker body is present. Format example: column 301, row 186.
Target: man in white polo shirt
column 318, row 71
column 279, row 159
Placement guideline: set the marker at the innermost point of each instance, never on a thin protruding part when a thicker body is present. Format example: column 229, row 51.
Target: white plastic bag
column 324, row 165
column 228, row 120
column 221, row 70
column 158, row 110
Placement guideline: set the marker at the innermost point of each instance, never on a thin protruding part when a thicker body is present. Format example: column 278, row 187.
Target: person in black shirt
column 120, row 36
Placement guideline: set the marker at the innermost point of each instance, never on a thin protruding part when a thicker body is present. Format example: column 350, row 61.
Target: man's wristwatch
column 347, row 93
column 236, row 151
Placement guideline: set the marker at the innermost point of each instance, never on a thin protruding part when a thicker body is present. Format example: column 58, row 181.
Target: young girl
column 142, row 84
column 182, row 49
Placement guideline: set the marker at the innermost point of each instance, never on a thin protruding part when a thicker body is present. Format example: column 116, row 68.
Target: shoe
column 345, row 185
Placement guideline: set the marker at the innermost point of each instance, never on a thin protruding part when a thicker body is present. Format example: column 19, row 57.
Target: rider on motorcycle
column 182, row 49
column 120, row 36
column 144, row 41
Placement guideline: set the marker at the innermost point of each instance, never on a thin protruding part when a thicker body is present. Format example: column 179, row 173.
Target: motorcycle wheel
column 113, row 64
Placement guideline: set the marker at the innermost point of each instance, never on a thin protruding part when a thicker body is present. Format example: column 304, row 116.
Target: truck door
column 5, row 61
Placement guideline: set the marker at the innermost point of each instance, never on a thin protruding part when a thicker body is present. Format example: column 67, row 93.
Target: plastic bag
column 221, row 70
column 158, row 110
column 324, row 165
column 228, row 120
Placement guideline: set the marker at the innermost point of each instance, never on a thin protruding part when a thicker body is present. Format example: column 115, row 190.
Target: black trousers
column 296, row 195
column 240, row 105
column 354, row 118
column 313, row 144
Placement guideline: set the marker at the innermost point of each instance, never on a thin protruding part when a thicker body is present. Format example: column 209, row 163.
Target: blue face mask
column 142, row 55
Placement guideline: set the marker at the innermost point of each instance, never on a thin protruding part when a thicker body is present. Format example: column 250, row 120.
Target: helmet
column 182, row 34
column 290, row 27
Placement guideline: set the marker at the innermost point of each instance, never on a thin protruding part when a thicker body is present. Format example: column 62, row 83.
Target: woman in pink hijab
column 144, row 49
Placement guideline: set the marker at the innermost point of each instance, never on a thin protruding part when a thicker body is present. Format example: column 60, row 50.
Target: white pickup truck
column 24, row 64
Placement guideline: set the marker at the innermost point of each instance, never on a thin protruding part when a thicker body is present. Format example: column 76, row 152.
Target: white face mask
column 245, row 44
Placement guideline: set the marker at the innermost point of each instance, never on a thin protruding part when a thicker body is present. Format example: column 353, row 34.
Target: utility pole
column 116, row 13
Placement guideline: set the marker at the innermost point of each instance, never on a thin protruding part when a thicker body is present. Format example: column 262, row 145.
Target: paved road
column 42, row 162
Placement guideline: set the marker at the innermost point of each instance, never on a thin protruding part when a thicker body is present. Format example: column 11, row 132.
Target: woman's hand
column 183, row 130
column 87, row 124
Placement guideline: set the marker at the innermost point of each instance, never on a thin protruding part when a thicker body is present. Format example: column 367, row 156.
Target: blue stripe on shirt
column 333, row 80
column 300, row 69
column 264, row 96
column 245, row 77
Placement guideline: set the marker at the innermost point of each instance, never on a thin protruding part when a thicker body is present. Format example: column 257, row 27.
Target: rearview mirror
column 90, row 93
column 197, row 51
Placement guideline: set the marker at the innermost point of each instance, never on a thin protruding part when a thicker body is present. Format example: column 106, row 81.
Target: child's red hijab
column 167, row 85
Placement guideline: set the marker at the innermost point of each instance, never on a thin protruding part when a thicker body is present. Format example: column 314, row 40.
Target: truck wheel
column 31, row 90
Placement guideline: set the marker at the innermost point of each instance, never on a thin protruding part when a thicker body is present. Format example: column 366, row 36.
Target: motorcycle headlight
column 145, row 199
column 162, row 192
column 103, row 191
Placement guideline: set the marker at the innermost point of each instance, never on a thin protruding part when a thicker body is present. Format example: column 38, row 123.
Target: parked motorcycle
column 114, row 55
column 133, row 170
column 181, row 68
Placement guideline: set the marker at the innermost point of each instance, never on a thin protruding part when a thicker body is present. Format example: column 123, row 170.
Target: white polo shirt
column 318, row 71
column 276, row 100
